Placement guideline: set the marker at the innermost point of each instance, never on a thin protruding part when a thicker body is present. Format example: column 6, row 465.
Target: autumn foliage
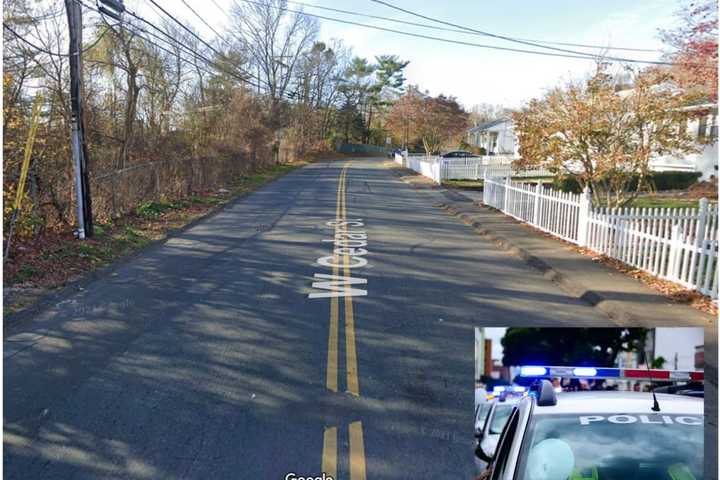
column 603, row 137
column 436, row 122
column 695, row 48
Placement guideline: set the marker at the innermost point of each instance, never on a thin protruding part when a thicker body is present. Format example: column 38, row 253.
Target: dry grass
column 52, row 260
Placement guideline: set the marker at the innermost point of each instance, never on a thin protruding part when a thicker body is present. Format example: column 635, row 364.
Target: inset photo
column 589, row 403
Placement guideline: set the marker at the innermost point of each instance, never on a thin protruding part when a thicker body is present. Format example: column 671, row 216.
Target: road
column 212, row 355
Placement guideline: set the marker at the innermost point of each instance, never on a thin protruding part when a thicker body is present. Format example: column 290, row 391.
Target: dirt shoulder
column 41, row 265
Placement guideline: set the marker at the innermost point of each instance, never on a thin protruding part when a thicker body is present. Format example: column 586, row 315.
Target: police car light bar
column 607, row 373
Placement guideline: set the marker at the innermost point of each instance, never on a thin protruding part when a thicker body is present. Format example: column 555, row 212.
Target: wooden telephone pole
column 79, row 148
column 112, row 8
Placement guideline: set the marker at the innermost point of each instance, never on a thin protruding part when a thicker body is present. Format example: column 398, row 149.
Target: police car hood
column 621, row 402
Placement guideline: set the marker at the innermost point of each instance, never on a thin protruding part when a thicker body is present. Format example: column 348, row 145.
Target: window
column 615, row 447
column 506, row 439
column 500, row 416
column 702, row 127
column 713, row 133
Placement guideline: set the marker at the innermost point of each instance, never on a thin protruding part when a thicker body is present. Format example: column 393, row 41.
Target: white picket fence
column 427, row 166
column 476, row 168
column 680, row 245
column 473, row 168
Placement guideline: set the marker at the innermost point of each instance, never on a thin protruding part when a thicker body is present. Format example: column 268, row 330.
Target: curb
column 613, row 309
column 593, row 298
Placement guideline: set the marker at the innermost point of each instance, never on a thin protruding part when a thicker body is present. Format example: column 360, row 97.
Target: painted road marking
column 337, row 286
column 331, row 380
column 353, row 385
column 357, row 452
column 329, row 456
column 348, row 253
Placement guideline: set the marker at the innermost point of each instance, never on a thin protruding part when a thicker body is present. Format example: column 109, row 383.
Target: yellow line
column 329, row 456
column 357, row 452
column 353, row 385
column 331, row 380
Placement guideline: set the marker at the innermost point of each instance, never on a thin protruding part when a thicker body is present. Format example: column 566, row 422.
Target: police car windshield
column 613, row 447
column 499, row 419
column 482, row 412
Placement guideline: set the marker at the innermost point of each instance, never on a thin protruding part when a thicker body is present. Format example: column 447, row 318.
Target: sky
column 478, row 75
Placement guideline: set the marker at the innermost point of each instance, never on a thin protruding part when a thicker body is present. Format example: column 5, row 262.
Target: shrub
column 674, row 180
column 658, row 181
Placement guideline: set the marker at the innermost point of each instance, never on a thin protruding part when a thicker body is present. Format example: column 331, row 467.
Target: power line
column 46, row 51
column 28, row 42
column 455, row 30
column 516, row 40
column 213, row 49
column 583, row 56
column 170, row 40
column 185, row 27
column 203, row 20
column 173, row 41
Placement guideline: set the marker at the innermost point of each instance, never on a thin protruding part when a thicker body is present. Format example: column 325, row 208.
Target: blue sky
column 476, row 75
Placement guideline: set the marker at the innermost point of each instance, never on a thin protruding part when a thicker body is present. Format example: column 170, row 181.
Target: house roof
column 486, row 125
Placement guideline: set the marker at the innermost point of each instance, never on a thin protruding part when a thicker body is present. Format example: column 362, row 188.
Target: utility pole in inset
column 79, row 148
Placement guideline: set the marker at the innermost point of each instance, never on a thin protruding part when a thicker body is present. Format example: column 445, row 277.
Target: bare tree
column 275, row 40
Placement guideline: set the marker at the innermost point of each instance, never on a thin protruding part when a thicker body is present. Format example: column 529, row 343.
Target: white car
column 490, row 418
column 601, row 435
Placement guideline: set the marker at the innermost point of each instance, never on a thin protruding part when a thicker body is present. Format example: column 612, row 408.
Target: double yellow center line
column 331, row 381
column 330, row 437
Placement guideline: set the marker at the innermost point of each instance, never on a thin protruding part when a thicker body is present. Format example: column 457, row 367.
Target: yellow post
column 24, row 169
column 28, row 151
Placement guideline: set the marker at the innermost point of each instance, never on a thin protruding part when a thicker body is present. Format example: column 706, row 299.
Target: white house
column 496, row 137
column 706, row 162
column 677, row 345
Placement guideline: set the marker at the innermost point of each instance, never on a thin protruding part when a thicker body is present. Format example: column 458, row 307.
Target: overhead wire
column 195, row 35
column 456, row 30
column 517, row 40
column 174, row 42
column 584, row 56
column 46, row 51
column 221, row 37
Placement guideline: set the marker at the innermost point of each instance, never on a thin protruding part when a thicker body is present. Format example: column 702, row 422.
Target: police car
column 490, row 418
column 601, row 435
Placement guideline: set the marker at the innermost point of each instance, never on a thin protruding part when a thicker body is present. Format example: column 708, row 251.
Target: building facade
column 496, row 137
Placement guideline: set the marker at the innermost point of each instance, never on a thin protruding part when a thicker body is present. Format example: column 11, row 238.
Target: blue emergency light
column 593, row 372
column 533, row 371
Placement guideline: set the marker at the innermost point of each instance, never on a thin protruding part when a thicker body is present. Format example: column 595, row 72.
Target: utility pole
column 79, row 148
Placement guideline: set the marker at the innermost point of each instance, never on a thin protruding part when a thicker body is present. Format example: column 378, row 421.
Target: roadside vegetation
column 169, row 115
column 175, row 125
column 56, row 258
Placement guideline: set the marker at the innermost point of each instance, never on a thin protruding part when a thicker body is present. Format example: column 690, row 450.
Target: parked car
column 490, row 419
column 391, row 153
column 459, row 154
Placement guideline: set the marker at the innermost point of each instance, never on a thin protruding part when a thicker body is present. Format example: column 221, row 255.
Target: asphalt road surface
column 212, row 356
